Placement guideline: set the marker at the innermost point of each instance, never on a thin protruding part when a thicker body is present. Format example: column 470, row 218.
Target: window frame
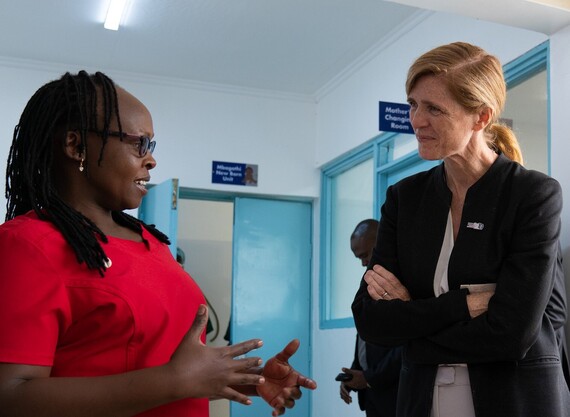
column 381, row 149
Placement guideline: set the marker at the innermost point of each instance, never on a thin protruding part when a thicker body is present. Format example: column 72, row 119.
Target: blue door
column 160, row 207
column 272, row 285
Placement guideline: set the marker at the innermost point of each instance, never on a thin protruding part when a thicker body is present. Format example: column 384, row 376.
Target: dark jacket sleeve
column 395, row 322
column 556, row 310
column 557, row 313
column 356, row 362
column 517, row 250
column 385, row 371
column 517, row 313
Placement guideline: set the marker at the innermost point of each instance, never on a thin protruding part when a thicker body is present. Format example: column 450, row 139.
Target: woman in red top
column 98, row 319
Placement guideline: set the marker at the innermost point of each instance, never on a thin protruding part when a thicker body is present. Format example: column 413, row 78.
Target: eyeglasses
column 143, row 144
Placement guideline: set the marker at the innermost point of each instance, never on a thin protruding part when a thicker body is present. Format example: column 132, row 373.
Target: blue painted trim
column 375, row 148
column 385, row 147
column 381, row 149
column 348, row 160
column 338, row 323
column 384, row 171
column 217, row 195
column 403, row 161
column 526, row 65
column 376, row 205
column 208, row 195
column 329, row 171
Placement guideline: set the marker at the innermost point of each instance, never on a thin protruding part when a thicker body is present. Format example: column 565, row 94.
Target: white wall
column 194, row 127
column 195, row 124
column 348, row 116
column 17, row 84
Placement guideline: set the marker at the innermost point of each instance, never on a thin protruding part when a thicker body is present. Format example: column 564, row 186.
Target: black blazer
column 382, row 374
column 509, row 236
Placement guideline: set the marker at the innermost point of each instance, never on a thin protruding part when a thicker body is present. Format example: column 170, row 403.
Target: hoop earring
column 81, row 167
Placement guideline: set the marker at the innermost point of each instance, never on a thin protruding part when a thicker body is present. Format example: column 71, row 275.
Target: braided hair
column 69, row 103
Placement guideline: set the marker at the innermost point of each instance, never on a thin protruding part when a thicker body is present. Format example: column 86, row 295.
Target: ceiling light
column 114, row 14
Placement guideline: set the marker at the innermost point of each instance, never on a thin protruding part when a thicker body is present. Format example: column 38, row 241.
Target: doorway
column 205, row 233
column 251, row 256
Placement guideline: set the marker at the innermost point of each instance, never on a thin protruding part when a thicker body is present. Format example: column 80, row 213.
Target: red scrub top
column 56, row 312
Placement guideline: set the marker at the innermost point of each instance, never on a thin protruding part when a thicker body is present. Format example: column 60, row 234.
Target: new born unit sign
column 234, row 173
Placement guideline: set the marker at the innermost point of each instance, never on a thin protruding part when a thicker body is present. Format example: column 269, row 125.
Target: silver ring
column 385, row 294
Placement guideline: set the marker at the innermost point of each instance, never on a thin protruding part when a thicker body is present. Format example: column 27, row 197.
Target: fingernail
column 201, row 310
column 262, row 380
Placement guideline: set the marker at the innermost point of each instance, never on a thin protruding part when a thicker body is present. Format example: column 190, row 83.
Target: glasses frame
column 146, row 143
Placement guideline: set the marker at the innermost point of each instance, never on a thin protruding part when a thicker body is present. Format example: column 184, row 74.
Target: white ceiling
column 293, row 46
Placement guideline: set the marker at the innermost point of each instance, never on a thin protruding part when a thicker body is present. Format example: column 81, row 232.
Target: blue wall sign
column 234, row 173
column 395, row 117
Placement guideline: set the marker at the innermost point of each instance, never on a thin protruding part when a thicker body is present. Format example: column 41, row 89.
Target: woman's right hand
column 202, row 371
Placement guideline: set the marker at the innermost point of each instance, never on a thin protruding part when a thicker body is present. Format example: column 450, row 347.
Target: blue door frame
column 271, row 291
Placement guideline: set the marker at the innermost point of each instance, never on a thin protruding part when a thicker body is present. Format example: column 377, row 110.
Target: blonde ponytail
column 505, row 141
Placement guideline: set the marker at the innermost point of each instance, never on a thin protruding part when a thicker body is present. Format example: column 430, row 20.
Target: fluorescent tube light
column 114, row 14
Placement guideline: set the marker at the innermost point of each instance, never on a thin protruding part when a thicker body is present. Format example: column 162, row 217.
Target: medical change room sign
column 395, row 117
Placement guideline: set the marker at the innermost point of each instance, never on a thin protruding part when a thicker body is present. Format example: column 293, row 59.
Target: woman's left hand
column 383, row 285
column 283, row 384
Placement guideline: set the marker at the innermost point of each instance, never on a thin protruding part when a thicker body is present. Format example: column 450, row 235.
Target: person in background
column 467, row 255
column 375, row 370
column 98, row 319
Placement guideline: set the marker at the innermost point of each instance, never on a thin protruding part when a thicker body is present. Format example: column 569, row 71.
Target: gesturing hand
column 282, row 382
column 201, row 371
